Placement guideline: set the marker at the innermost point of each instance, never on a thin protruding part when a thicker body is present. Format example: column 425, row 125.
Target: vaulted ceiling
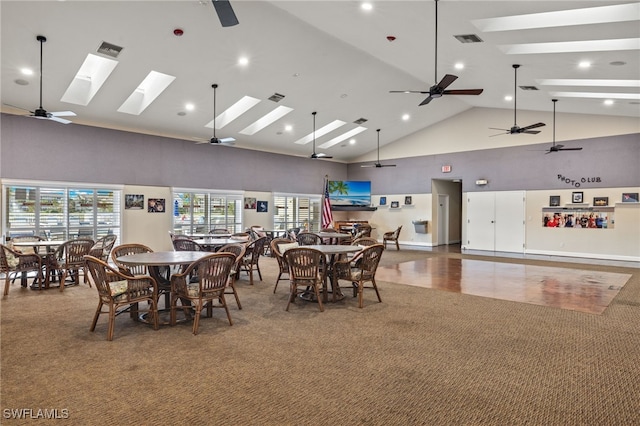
column 331, row 57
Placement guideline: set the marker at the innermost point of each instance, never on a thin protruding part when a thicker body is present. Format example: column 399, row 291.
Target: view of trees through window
column 61, row 213
column 296, row 212
column 201, row 212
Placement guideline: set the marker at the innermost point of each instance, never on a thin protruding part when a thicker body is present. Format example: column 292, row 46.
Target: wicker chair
column 69, row 260
column 121, row 293
column 278, row 246
column 12, row 262
column 102, row 248
column 184, row 244
column 308, row 239
column 364, row 241
column 238, row 251
column 392, row 236
column 213, row 276
column 251, row 258
column 359, row 270
column 27, row 238
column 305, row 265
column 159, row 273
column 219, row 231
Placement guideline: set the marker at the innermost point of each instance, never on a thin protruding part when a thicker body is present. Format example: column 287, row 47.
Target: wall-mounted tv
column 350, row 193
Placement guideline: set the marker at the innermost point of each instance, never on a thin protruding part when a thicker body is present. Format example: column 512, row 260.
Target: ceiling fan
column 558, row 147
column 517, row 129
column 40, row 112
column 377, row 164
column 214, row 140
column 438, row 90
column 225, row 13
column 313, row 154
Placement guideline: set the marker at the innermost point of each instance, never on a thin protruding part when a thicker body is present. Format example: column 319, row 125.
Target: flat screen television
column 350, row 193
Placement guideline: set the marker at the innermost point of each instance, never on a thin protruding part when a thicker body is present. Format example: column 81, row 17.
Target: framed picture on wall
column 134, row 201
column 383, row 201
column 395, row 204
column 600, row 201
column 249, row 203
column 577, row 197
column 407, row 200
column 630, row 197
column 554, row 200
column 263, row 206
column 156, row 205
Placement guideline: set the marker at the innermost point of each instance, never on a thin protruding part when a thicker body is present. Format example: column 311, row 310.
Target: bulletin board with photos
column 584, row 217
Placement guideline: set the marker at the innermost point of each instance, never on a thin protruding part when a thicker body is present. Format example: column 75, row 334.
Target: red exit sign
column 446, row 169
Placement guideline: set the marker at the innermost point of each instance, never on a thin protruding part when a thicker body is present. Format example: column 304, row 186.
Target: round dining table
column 47, row 262
column 332, row 251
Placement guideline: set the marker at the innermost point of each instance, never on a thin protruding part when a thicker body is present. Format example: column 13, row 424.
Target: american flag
column 327, row 217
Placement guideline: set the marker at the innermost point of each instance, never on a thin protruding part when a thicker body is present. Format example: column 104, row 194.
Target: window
column 200, row 212
column 61, row 212
column 296, row 211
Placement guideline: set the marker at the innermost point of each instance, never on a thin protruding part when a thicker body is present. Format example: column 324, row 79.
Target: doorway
column 447, row 211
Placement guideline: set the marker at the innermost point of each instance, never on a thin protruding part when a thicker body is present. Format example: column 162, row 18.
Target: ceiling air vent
column 360, row 121
column 109, row 49
column 276, row 97
column 468, row 38
column 528, row 87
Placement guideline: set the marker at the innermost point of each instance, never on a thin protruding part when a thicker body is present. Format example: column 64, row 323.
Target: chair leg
column 258, row 269
column 63, row 279
column 196, row 319
column 95, row 317
column 112, row 321
column 277, row 281
column 293, row 292
column 317, row 291
column 375, row 287
column 397, row 245
column 154, row 313
column 223, row 302
column 6, row 284
column 235, row 294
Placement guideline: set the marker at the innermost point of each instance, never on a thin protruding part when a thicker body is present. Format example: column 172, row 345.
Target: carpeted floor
column 422, row 357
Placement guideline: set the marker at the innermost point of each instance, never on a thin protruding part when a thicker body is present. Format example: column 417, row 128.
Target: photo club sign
column 577, row 182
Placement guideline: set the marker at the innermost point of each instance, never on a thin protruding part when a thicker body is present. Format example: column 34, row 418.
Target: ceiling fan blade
column 409, row 91
column 446, row 81
column 463, row 92
column 570, row 149
column 498, row 128
column 500, row 134
column 227, row 140
column 225, row 13
column 63, row 114
column 320, row 156
column 385, row 165
column 533, row 126
column 60, row 120
column 368, row 166
column 426, row 101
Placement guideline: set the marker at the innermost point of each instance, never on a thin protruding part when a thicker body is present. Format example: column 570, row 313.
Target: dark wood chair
column 68, row 260
column 308, row 239
column 278, row 247
column 13, row 263
column 305, row 272
column 121, row 293
column 392, row 236
column 251, row 259
column 360, row 269
column 238, row 251
column 213, row 276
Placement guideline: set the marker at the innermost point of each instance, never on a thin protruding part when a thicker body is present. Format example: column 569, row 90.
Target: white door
column 443, row 219
column 481, row 220
column 495, row 221
column 509, row 220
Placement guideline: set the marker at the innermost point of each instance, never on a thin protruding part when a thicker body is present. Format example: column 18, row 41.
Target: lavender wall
column 45, row 150
column 613, row 160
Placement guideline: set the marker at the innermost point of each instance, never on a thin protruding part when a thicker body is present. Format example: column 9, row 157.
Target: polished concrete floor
column 574, row 289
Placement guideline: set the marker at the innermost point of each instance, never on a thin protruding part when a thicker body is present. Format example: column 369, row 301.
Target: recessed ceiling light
column 243, row 61
column 584, row 64
column 459, row 66
column 608, row 102
column 189, row 107
column 508, row 98
column 288, row 128
column 405, row 117
column 352, row 142
column 26, row 71
column 366, row 6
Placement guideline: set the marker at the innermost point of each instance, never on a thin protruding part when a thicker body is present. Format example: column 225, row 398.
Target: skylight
column 89, row 79
column 267, row 119
column 596, row 95
column 562, row 18
column 572, row 46
column 342, row 137
column 587, row 82
column 321, row 132
column 147, row 92
column 234, row 111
